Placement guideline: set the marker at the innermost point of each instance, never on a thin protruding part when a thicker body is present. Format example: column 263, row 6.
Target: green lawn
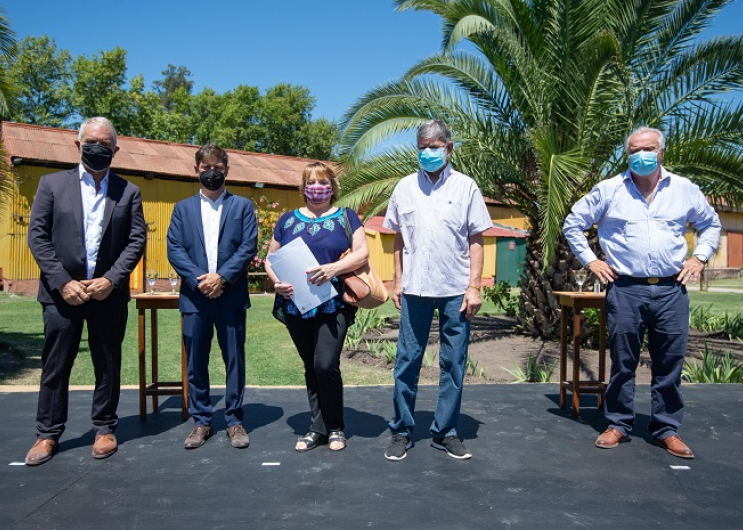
column 270, row 355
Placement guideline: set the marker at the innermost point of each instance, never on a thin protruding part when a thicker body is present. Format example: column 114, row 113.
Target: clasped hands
column 210, row 285
column 77, row 292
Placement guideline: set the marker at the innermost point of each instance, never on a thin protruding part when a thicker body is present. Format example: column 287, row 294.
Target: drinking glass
column 580, row 279
column 173, row 277
column 151, row 276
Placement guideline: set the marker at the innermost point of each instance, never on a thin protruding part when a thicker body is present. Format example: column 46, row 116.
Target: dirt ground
column 495, row 347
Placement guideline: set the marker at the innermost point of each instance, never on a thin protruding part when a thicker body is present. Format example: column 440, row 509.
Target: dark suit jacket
column 238, row 241
column 57, row 239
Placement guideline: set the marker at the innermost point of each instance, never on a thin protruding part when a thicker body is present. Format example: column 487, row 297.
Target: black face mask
column 212, row 179
column 96, row 157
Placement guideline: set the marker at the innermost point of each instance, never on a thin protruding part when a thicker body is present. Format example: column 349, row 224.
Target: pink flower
column 274, row 205
column 262, row 199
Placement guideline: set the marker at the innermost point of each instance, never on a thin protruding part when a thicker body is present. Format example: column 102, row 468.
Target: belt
column 653, row 280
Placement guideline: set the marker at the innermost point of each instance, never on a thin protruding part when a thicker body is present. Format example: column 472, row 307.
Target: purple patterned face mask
column 318, row 193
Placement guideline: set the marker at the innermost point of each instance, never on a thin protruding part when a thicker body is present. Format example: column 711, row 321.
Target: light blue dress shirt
column 639, row 239
column 94, row 203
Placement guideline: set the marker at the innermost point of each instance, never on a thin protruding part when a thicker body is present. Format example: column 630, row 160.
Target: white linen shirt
column 211, row 214
column 93, row 206
column 436, row 221
column 641, row 239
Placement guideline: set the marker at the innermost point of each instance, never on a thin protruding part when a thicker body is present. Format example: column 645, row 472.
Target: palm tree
column 540, row 95
column 7, row 100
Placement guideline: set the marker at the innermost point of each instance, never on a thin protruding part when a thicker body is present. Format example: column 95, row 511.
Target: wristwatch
column 702, row 258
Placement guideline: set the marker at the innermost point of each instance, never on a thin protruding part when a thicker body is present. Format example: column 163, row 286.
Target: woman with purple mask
column 319, row 334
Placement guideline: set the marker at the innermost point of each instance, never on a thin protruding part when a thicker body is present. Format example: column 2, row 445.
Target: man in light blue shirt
column 439, row 216
column 641, row 216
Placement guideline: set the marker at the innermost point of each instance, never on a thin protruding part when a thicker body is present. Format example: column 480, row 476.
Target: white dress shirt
column 211, row 214
column 436, row 221
column 93, row 205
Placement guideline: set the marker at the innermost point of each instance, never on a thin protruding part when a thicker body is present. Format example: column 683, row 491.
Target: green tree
column 174, row 78
column 284, row 110
column 540, row 96
column 40, row 74
column 7, row 98
column 318, row 139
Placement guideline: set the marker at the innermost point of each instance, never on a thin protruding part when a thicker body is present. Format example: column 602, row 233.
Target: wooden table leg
column 142, row 367
column 184, row 375
column 576, row 362
column 602, row 354
column 153, row 339
column 563, row 354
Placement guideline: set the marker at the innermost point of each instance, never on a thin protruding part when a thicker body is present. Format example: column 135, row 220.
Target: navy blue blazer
column 57, row 239
column 238, row 243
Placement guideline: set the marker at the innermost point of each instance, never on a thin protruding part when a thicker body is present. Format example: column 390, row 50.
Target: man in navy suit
column 87, row 234
column 212, row 238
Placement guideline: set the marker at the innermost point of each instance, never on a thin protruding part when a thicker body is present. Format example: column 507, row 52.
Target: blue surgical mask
column 643, row 163
column 432, row 158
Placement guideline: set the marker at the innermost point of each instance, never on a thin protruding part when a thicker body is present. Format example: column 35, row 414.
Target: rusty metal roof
column 48, row 145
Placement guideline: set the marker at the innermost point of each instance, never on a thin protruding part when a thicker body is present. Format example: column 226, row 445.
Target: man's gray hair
column 434, row 130
column 98, row 120
column 661, row 138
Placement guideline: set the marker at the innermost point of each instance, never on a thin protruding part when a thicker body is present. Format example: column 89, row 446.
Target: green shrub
column 713, row 368
column 500, row 295
column 534, row 373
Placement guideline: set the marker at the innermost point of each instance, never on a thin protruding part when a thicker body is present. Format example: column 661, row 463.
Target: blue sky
column 339, row 49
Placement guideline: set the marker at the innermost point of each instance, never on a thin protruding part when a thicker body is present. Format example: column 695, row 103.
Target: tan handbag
column 363, row 287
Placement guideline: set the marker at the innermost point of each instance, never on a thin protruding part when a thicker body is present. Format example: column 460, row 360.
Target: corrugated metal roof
column 375, row 223
column 34, row 143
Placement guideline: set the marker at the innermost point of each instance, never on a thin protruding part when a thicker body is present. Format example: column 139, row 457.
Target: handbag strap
column 349, row 236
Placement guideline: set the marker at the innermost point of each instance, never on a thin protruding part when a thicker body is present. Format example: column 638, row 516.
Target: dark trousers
column 662, row 311
column 198, row 330
column 319, row 341
column 63, row 326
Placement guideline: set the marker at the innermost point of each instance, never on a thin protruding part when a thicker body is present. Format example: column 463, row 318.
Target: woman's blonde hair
column 318, row 170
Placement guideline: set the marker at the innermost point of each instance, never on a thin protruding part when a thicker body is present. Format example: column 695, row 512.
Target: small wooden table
column 156, row 387
column 580, row 301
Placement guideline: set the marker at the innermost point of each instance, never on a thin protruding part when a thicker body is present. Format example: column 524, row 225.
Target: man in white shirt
column 211, row 240
column 439, row 216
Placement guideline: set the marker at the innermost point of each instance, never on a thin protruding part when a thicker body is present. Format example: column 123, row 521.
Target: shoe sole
column 442, row 448
column 398, row 458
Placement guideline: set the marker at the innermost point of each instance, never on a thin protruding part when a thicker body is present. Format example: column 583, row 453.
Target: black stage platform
column 533, row 468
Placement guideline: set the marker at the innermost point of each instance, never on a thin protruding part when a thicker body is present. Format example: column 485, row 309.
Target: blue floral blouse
column 326, row 237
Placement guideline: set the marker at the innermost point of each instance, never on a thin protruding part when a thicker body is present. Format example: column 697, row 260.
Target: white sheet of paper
column 290, row 263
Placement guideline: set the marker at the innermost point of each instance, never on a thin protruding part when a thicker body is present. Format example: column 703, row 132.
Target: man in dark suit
column 211, row 240
column 87, row 234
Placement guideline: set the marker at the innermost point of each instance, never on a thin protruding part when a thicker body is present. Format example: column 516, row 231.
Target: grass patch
column 271, row 358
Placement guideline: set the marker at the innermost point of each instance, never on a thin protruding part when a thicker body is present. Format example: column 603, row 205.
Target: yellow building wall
column 381, row 248
column 508, row 217
column 158, row 198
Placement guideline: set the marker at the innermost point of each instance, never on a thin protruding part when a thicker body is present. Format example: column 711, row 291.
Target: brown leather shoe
column 42, row 451
column 675, row 446
column 610, row 438
column 238, row 437
column 198, row 436
column 105, row 445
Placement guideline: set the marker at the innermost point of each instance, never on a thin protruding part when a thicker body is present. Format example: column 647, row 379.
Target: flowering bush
column 266, row 214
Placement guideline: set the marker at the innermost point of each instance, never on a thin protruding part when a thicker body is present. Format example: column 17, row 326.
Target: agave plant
column 540, row 95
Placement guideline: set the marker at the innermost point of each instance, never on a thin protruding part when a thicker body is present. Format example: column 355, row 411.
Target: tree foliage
column 59, row 91
column 541, row 95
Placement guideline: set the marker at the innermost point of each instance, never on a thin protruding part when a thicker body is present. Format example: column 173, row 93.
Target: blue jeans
column 662, row 311
column 415, row 325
